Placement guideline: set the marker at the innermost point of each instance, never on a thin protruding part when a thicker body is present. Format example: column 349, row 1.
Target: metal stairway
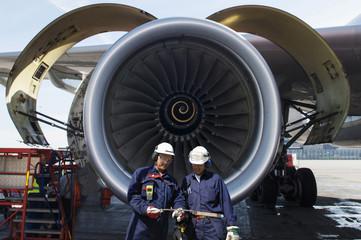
column 33, row 204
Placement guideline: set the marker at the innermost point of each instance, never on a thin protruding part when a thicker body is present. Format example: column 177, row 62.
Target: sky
column 21, row 20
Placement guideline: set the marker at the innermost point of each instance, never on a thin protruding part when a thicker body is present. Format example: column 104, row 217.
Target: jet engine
column 188, row 82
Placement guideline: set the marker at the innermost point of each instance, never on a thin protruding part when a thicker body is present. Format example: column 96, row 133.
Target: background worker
column 37, row 195
column 150, row 190
column 65, row 195
column 205, row 191
column 69, row 188
column 34, row 192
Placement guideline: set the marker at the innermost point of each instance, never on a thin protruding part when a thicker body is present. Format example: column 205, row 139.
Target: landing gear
column 299, row 185
column 295, row 185
column 288, row 192
column 266, row 193
column 306, row 187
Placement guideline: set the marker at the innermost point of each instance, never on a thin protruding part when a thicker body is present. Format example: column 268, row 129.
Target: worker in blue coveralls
column 152, row 189
column 205, row 191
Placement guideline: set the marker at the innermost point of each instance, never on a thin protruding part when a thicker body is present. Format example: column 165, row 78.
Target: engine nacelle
column 188, row 82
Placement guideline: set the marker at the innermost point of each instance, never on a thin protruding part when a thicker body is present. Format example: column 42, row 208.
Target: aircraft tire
column 307, row 187
column 268, row 192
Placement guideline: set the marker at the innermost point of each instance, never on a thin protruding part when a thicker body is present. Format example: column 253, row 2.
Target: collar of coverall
column 204, row 174
column 153, row 173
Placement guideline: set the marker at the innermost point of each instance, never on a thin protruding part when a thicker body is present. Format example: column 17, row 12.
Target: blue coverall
column 208, row 195
column 166, row 194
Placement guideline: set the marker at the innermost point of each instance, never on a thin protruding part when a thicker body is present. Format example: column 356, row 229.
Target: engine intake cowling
column 188, row 82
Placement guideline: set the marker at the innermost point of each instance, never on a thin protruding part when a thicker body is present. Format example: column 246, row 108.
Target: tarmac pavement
column 336, row 214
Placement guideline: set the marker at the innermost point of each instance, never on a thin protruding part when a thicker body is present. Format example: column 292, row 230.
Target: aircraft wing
column 74, row 65
column 7, row 61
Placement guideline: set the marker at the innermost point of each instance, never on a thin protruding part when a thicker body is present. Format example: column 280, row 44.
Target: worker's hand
column 232, row 233
column 178, row 214
column 153, row 212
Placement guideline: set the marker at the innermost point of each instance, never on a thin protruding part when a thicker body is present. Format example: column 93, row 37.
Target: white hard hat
column 199, row 155
column 164, row 148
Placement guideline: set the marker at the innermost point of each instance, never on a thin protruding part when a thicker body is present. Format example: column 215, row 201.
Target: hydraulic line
column 71, row 129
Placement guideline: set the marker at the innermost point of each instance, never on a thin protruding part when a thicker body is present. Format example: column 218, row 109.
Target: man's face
column 198, row 169
column 163, row 162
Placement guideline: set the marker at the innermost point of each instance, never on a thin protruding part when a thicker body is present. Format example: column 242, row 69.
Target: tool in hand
column 196, row 213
